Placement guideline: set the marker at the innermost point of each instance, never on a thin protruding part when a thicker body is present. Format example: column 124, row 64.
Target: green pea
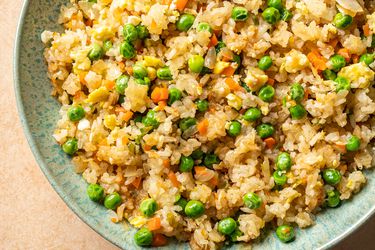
column 367, row 59
column 148, row 207
column 278, row 4
column 286, row 15
column 186, row 164
column 194, row 209
column 234, row 236
column 130, row 33
column 342, row 84
column 137, row 118
column 219, row 46
column 285, row 233
column 252, row 200
column 227, row 226
column 265, row 62
column 182, row 203
column 252, row 114
column 121, row 99
column 127, row 50
column 297, row 93
column 210, row 160
column 96, row 52
column 234, row 128
column 337, row 62
column 333, row 198
column 202, row 105
column 331, row 176
column 144, row 81
column 112, row 201
column 342, row 21
column 95, row 192
column 284, row 161
column 107, row 45
column 122, row 84
column 197, row 154
column 196, row 63
column 297, row 112
column 266, row 93
column 271, row 15
column 265, row 130
column 205, row 71
column 143, row 237
column 139, row 71
column 70, row 146
column 239, row 14
column 142, row 31
column 174, row 95
column 204, row 27
column 76, row 113
column 185, row 22
column 329, row 75
column 353, row 144
column 150, row 120
column 279, row 178
column 164, row 73
column 186, row 123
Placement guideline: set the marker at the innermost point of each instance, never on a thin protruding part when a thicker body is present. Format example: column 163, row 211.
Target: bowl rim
column 44, row 166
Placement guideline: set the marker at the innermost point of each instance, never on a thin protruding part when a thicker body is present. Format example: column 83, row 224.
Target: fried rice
column 119, row 150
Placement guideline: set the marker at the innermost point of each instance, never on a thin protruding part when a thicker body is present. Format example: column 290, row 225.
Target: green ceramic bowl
column 39, row 112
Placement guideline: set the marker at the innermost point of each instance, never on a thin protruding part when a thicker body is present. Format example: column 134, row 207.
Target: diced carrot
column 137, row 182
column 317, row 60
column 228, row 71
column 202, row 127
column 109, row 84
column 214, row 181
column 124, row 140
column 345, row 53
column 181, row 4
column 270, row 81
column 366, row 29
column 154, row 224
column 159, row 240
column 173, row 178
column 199, row 170
column 307, row 93
column 159, row 94
column 270, row 142
column 127, row 116
column 162, row 105
column 146, row 147
column 213, row 41
column 341, row 147
column 121, row 65
column 129, row 70
column 232, row 84
column 88, row 22
column 166, row 163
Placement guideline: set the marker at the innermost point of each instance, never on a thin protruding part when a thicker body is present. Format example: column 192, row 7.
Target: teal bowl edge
column 124, row 242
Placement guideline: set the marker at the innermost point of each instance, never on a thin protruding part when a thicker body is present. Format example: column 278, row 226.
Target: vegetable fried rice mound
column 210, row 121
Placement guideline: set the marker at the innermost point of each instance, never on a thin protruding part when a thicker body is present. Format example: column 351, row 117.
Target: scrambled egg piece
column 110, row 121
column 295, row 61
column 234, row 101
column 137, row 96
column 359, row 75
column 98, row 95
column 255, row 78
column 102, row 33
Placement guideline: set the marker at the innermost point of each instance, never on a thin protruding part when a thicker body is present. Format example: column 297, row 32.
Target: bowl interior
column 39, row 113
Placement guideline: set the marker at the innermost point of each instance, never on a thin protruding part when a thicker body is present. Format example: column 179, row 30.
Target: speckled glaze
column 39, row 112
